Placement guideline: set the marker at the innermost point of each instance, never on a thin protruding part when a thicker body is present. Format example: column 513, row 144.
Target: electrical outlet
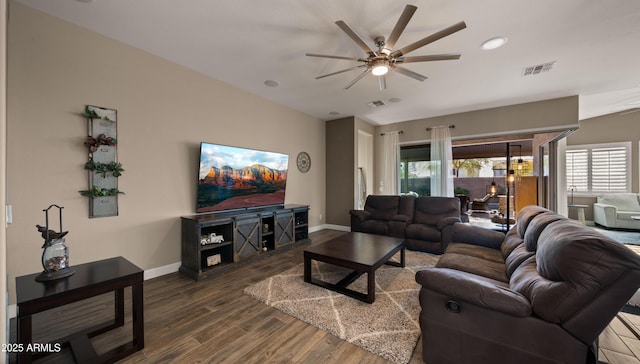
column 320, row 217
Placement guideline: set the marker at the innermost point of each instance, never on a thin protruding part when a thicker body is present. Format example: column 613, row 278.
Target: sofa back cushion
column 573, row 270
column 521, row 241
column 622, row 201
column 382, row 207
column 406, row 206
column 515, row 236
column 431, row 209
column 525, row 216
column 537, row 226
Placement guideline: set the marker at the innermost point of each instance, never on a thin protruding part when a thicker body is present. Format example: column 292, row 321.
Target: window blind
column 578, row 169
column 598, row 168
column 609, row 169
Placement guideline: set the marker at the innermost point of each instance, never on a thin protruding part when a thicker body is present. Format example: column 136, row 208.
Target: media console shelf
column 213, row 243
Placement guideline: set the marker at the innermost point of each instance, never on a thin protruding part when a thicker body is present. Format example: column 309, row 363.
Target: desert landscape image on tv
column 235, row 178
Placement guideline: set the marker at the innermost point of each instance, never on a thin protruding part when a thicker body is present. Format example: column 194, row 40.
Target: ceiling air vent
column 537, row 69
column 374, row 104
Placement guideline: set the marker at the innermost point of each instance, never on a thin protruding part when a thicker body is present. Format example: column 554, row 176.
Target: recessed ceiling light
column 395, row 99
column 494, row 43
column 272, row 83
column 334, row 113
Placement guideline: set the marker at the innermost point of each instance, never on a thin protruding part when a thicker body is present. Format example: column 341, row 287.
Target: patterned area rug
column 388, row 327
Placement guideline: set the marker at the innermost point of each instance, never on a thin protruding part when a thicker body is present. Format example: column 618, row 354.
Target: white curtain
column 362, row 188
column 441, row 162
column 390, row 163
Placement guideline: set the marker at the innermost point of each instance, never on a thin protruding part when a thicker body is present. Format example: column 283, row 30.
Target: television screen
column 236, row 178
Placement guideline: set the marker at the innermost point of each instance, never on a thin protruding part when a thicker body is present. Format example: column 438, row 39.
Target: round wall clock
column 304, row 162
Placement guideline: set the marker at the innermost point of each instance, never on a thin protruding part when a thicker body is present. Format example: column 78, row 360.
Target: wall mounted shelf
column 102, row 165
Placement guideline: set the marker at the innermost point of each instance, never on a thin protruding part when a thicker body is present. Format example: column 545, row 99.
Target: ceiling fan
column 384, row 59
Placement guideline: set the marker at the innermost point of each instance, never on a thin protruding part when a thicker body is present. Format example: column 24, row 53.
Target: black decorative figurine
column 55, row 256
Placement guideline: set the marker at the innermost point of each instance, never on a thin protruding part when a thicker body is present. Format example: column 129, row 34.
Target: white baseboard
column 331, row 227
column 160, row 271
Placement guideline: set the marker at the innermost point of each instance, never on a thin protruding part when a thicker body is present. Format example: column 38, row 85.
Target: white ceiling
column 594, row 44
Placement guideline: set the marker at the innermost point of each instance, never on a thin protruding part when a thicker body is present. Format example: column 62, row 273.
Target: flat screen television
column 232, row 178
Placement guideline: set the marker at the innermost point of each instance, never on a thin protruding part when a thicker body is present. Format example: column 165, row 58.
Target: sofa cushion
column 492, row 255
column 525, row 216
column 475, row 265
column 536, row 227
column 429, row 210
column 374, row 227
column 517, row 257
column 406, row 206
column 511, row 240
column 382, row 207
column 622, row 201
column 422, row 232
column 626, row 215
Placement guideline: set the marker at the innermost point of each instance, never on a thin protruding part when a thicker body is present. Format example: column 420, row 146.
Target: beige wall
column 612, row 128
column 164, row 112
column 341, row 165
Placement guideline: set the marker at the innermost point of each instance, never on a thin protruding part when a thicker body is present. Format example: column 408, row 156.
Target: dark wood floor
column 212, row 321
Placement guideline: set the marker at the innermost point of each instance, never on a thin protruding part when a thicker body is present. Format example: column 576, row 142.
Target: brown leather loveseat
column 425, row 222
column 541, row 294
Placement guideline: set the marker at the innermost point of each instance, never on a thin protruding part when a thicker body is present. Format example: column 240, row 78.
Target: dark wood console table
column 91, row 279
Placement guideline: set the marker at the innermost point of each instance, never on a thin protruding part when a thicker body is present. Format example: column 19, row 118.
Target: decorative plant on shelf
column 93, row 143
column 92, row 114
column 100, row 192
column 114, row 168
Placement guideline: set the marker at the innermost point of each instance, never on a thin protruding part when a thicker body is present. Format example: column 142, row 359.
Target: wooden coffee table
column 364, row 253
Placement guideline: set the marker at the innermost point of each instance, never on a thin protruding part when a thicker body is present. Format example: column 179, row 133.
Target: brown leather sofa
column 425, row 222
column 541, row 294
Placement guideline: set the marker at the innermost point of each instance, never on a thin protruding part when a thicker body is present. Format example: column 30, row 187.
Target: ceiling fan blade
column 336, row 57
column 406, row 15
column 357, row 79
column 414, row 75
column 430, row 39
column 345, row 28
column 382, row 81
column 434, row 57
column 342, row 71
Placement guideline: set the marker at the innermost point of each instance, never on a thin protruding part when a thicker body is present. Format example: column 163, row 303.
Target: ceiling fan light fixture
column 494, row 43
column 380, row 68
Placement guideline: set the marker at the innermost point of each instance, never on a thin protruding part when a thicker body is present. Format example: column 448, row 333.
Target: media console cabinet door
column 247, row 241
column 284, row 228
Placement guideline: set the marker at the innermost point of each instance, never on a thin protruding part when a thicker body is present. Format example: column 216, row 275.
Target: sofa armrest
column 447, row 221
column 604, row 214
column 463, row 233
column 472, row 289
column 362, row 215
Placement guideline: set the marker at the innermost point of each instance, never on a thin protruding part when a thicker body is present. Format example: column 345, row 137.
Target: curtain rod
column 450, row 127
column 399, row 132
